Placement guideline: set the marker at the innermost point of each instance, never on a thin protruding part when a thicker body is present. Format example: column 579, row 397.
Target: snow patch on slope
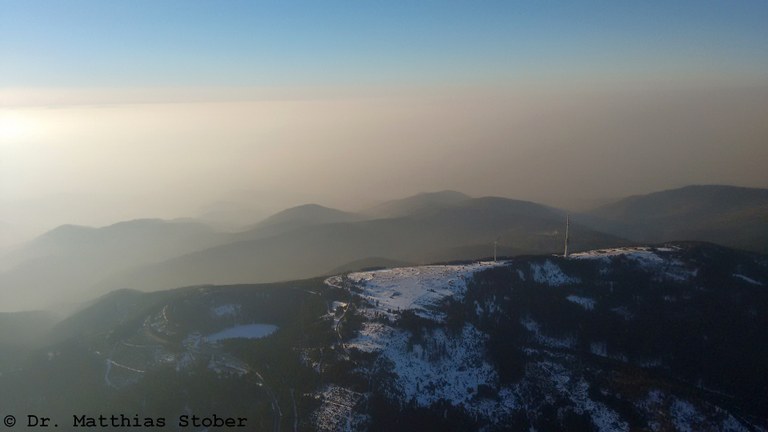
column 248, row 331
column 553, row 342
column 432, row 364
column 685, row 416
column 640, row 253
column 661, row 407
column 336, row 412
column 585, row 302
column 550, row 274
column 226, row 310
column 440, row 366
column 623, row 312
column 560, row 382
column 646, row 258
column 747, row 279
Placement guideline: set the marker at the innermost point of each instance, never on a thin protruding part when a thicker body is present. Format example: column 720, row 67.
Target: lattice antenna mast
column 495, row 243
column 567, row 229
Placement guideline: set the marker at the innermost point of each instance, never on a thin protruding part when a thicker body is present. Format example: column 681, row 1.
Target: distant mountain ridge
column 415, row 204
column 74, row 263
column 431, row 234
column 297, row 217
column 728, row 215
column 60, row 265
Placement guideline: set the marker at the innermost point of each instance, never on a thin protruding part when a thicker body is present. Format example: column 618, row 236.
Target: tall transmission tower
column 567, row 228
column 495, row 243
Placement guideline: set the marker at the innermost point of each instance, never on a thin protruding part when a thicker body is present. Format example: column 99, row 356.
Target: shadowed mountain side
column 135, row 241
column 433, row 236
column 53, row 268
column 727, row 215
column 106, row 312
column 62, row 264
column 19, row 330
column 23, row 332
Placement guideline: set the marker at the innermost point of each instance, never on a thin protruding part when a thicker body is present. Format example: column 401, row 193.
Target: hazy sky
column 121, row 109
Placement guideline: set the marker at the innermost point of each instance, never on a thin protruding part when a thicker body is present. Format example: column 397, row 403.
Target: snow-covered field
column 647, row 258
column 639, row 253
column 430, row 364
column 439, row 365
column 417, row 288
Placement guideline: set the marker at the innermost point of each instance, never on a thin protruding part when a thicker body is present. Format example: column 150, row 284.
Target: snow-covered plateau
column 575, row 372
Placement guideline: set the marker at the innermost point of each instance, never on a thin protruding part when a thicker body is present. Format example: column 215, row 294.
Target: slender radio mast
column 567, row 226
column 495, row 242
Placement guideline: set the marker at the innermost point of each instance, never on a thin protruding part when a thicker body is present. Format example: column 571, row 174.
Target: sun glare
column 14, row 128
